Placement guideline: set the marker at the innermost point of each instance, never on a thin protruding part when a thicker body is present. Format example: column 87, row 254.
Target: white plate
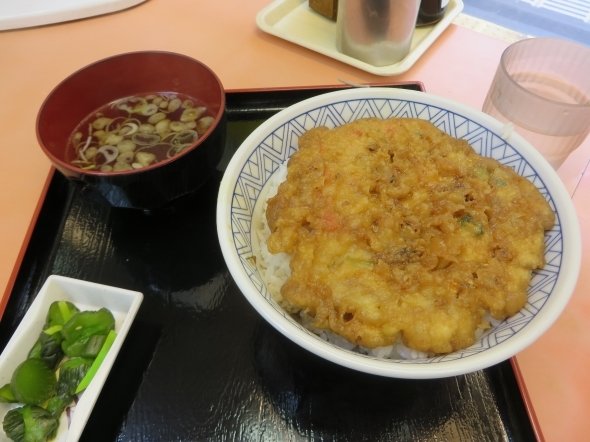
column 16, row 14
column 294, row 21
column 124, row 305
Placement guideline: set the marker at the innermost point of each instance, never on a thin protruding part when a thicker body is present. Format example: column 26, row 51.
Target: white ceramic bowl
column 85, row 295
column 259, row 157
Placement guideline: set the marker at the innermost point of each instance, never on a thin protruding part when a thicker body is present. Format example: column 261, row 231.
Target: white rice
column 274, row 268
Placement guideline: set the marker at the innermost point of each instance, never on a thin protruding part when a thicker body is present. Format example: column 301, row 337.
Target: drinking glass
column 542, row 88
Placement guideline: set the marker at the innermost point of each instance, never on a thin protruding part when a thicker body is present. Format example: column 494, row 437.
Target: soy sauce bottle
column 431, row 11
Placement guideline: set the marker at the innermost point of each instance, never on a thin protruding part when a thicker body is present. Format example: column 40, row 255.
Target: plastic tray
column 200, row 364
column 294, row 21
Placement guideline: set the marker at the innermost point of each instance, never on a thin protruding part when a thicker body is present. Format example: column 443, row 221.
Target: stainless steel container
column 378, row 32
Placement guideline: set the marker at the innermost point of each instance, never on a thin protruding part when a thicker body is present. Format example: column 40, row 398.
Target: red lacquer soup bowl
column 124, row 90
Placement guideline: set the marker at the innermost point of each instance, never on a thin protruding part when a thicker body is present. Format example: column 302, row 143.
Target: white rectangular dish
column 85, row 295
column 294, row 21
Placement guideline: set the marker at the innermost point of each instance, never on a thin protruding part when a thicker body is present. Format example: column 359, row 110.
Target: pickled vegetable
column 48, row 348
column 30, row 424
column 85, row 333
column 59, row 366
column 48, row 345
column 33, row 382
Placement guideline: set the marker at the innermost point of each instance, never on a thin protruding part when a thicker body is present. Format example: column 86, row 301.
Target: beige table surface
column 223, row 34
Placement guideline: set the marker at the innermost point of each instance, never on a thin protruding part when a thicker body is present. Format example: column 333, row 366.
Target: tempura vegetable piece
column 398, row 233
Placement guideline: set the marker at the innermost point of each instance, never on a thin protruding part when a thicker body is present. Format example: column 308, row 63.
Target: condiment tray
column 85, row 295
column 294, row 21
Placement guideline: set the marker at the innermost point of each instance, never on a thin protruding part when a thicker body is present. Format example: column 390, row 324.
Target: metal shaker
column 378, row 32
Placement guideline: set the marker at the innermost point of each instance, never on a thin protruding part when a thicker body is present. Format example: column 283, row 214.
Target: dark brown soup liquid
column 138, row 131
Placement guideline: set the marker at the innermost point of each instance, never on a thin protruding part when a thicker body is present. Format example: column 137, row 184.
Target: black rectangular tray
column 200, row 364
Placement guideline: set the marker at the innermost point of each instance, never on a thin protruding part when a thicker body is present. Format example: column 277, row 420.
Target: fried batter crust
column 397, row 230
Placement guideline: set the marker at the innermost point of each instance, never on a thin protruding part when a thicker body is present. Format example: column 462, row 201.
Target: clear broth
column 137, row 131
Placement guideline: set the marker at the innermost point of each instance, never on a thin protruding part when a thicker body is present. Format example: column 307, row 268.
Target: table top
column 459, row 65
